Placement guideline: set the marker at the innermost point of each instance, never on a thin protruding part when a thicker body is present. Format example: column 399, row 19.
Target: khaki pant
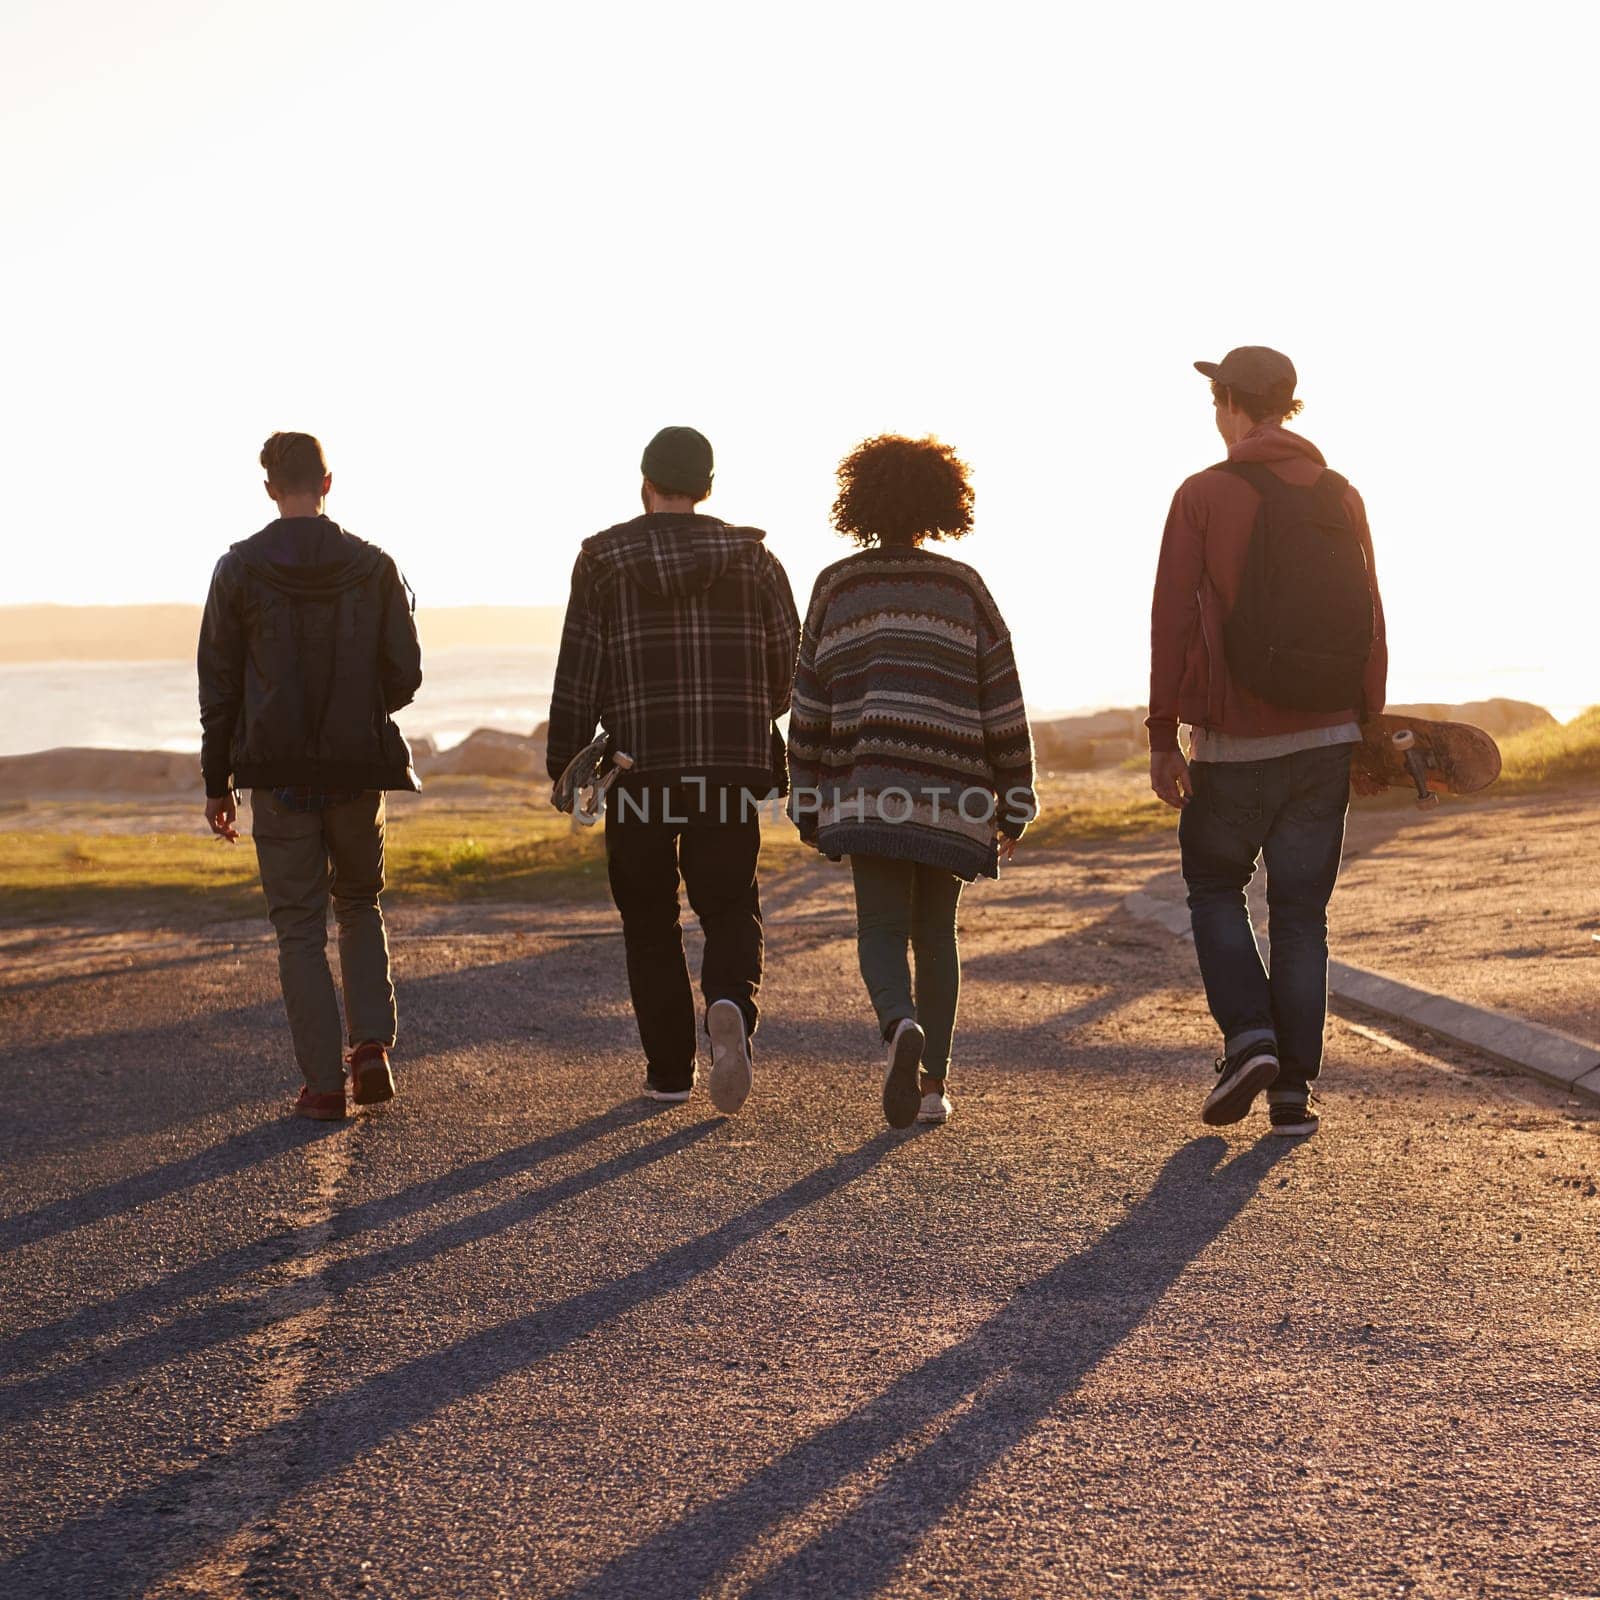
column 306, row 857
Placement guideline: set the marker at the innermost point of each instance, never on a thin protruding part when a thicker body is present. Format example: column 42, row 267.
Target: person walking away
column 1267, row 639
column 679, row 641
column 308, row 646
column 910, row 748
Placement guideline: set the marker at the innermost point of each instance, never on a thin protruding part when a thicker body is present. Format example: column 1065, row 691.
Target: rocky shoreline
column 1095, row 742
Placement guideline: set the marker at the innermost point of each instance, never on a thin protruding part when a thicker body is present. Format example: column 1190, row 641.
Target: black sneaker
column 902, row 1098
column 1293, row 1118
column 1243, row 1076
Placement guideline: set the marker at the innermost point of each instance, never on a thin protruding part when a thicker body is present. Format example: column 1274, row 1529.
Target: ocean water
column 153, row 705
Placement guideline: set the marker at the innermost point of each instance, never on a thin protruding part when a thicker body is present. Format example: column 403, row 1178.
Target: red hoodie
column 1197, row 581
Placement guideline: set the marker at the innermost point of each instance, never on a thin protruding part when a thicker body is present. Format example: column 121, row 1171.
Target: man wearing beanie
column 679, row 642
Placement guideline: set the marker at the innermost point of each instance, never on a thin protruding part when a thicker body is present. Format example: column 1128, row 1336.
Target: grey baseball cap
column 1252, row 369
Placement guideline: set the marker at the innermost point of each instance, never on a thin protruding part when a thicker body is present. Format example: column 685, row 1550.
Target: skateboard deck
column 1433, row 758
column 582, row 787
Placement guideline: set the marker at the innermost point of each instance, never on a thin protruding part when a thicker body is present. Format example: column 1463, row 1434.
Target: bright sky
column 485, row 250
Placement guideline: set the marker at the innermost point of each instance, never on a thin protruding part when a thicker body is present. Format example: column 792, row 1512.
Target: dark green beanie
column 678, row 461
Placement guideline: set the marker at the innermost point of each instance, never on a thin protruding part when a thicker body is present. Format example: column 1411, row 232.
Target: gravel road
column 522, row 1333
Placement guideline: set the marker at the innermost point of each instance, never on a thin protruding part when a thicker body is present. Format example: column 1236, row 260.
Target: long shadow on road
column 126, row 1545
column 489, row 1003
column 1013, row 1370
column 219, row 1322
column 206, row 1277
column 236, row 1153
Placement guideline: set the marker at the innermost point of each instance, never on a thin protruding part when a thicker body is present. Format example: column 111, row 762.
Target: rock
column 46, row 774
column 1498, row 718
column 489, row 753
column 1107, row 738
column 1101, row 739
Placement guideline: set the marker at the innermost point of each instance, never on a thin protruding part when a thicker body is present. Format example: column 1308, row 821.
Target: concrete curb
column 1559, row 1058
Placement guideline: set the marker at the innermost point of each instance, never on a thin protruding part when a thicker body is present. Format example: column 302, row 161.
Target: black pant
column 644, row 856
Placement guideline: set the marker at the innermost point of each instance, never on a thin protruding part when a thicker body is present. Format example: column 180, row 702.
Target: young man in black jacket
column 307, row 647
column 680, row 641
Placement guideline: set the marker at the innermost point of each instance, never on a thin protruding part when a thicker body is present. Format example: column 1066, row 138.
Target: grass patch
column 53, row 874
column 1547, row 757
column 527, row 854
column 1112, row 803
column 485, row 841
column 1072, row 820
column 443, row 853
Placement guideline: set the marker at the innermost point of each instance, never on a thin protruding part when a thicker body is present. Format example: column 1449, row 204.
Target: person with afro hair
column 910, row 748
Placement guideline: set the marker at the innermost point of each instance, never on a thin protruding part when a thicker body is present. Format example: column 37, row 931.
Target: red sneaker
column 371, row 1081
column 321, row 1107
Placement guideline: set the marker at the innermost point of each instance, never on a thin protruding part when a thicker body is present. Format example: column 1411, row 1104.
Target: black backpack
column 1301, row 630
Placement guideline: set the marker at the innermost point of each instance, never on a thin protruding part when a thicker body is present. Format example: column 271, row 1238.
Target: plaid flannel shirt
column 679, row 640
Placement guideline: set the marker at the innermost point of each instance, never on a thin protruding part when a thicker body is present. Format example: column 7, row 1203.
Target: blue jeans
column 1290, row 810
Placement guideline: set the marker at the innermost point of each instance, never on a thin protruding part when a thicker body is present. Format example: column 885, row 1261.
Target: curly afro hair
column 894, row 490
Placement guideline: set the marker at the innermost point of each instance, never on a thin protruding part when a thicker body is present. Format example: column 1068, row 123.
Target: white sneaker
column 673, row 1097
column 935, row 1106
column 732, row 1071
column 901, row 1096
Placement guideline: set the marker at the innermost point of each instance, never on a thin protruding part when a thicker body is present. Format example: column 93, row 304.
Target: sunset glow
column 484, row 253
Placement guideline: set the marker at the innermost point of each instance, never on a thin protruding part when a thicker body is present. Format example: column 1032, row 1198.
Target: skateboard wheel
column 1403, row 738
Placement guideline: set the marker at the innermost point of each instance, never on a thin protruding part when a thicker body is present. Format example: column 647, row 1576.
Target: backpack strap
column 1328, row 487
column 1257, row 474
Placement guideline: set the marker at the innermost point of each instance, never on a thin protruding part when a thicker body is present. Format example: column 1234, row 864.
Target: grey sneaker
column 1242, row 1076
column 935, row 1101
column 732, row 1071
column 902, row 1099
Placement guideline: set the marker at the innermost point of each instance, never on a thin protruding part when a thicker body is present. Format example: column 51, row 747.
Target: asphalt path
column 523, row 1333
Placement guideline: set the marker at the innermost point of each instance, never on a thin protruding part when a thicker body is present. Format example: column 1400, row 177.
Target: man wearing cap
column 1265, row 777
column 680, row 641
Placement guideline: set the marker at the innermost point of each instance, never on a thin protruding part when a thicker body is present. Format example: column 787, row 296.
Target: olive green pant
column 306, row 859
column 901, row 903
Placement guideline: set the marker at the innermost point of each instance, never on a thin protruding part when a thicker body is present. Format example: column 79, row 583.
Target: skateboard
column 1433, row 758
column 587, row 779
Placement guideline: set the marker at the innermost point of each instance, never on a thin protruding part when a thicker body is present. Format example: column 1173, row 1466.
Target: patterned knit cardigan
column 908, row 736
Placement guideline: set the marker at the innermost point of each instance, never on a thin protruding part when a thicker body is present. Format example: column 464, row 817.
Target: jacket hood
column 1268, row 442
column 308, row 556
column 674, row 552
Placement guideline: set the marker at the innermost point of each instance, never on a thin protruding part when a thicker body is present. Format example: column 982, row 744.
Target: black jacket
column 307, row 646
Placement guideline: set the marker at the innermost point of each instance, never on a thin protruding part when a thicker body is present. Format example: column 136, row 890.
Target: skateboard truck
column 590, row 801
column 586, row 780
column 1405, row 741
